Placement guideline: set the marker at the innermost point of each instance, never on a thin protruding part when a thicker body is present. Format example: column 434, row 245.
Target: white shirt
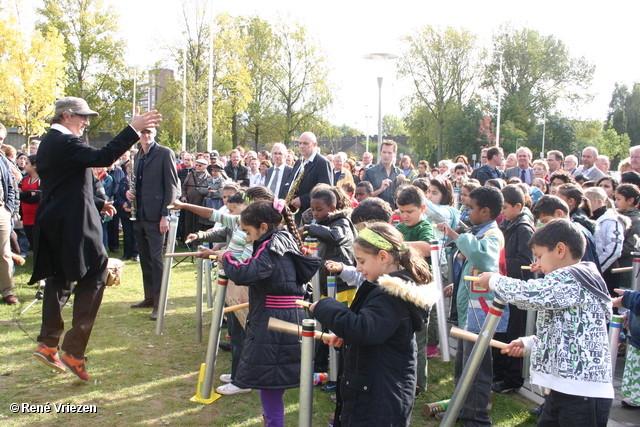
column 255, row 179
column 280, row 175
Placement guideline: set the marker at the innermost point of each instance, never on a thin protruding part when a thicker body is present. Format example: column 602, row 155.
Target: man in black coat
column 310, row 169
column 156, row 188
column 278, row 177
column 68, row 233
column 489, row 171
column 236, row 171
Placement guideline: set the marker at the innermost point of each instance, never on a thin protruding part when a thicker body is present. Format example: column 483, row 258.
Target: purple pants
column 272, row 407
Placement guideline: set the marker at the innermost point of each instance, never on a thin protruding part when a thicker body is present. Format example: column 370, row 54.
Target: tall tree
column 94, row 57
column 300, row 77
column 31, row 77
column 537, row 72
column 443, row 65
column 393, row 125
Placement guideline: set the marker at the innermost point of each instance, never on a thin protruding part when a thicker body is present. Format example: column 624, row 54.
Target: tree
column 392, row 125
column 537, row 72
column 300, row 77
column 31, row 77
column 443, row 65
column 94, row 55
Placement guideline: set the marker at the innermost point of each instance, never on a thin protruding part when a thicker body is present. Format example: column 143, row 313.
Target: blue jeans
column 567, row 410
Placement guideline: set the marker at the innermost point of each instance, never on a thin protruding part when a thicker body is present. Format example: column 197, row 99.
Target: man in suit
column 8, row 206
column 68, row 234
column 523, row 170
column 279, row 176
column 310, row 169
column 236, row 171
column 588, row 168
column 156, row 188
column 495, row 159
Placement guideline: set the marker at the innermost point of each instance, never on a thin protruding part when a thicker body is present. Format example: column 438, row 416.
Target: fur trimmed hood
column 346, row 212
column 421, row 298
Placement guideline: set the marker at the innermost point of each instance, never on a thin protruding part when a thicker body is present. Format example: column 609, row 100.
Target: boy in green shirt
column 418, row 232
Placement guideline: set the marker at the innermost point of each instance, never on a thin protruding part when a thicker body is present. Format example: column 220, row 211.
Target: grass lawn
column 140, row 378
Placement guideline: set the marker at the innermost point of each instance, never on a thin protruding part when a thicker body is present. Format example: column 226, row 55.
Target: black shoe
column 145, row 303
column 125, row 258
column 537, row 411
column 501, row 387
column 154, row 314
column 225, row 346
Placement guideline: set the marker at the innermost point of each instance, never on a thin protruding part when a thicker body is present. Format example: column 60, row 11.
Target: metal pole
column 379, row 117
column 499, row 100
column 530, row 329
column 544, row 131
column 635, row 274
column 184, row 95
column 214, row 335
column 443, row 332
column 199, row 272
column 207, row 280
column 306, row 372
column 615, row 327
column 135, row 89
column 210, row 91
column 333, row 353
column 166, row 269
column 471, row 368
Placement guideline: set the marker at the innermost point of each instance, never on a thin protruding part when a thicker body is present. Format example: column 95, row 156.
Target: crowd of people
column 572, row 222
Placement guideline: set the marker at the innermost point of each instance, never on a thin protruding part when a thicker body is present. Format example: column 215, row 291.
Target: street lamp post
column 135, row 90
column 499, row 99
column 380, row 58
column 210, row 92
column 184, row 95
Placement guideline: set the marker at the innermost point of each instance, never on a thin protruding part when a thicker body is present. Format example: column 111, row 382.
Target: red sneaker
column 75, row 365
column 49, row 356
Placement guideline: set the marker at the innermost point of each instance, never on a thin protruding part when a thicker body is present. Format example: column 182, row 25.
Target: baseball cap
column 76, row 105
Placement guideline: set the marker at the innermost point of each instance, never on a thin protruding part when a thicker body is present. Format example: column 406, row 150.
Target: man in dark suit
column 68, row 233
column 236, row 171
column 279, row 176
column 523, row 170
column 310, row 169
column 495, row 159
column 156, row 188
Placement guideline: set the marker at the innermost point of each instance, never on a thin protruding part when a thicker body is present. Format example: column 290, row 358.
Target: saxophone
column 293, row 192
column 131, row 170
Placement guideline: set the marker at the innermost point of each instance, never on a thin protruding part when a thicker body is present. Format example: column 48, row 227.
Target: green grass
column 140, row 378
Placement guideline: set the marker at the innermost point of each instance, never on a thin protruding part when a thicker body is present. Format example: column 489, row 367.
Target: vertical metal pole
column 306, row 372
column 214, row 335
column 166, row 269
column 184, row 94
column 530, row 329
column 333, row 353
column 207, row 280
column 615, row 327
column 199, row 300
column 380, row 118
column 635, row 275
column 471, row 368
column 443, row 331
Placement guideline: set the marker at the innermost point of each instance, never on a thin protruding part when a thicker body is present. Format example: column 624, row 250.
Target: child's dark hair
column 372, row 209
column 411, row 195
column 230, row 186
column 408, row 257
column 260, row 193
column 527, row 198
column 445, row 187
column 366, row 185
column 513, row 195
column 575, row 193
column 629, row 191
column 496, row 183
column 342, row 199
column 348, row 187
column 238, row 198
column 32, row 159
column 488, row 197
column 614, row 182
column 421, row 183
column 560, row 230
column 262, row 212
column 548, row 205
column 562, row 175
column 630, row 177
column 327, row 197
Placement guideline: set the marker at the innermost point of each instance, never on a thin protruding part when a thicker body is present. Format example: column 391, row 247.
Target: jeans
column 566, row 410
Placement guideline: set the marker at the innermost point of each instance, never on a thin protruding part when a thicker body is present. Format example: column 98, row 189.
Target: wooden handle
column 180, row 254
column 235, row 307
column 470, row 336
column 471, row 278
column 526, row 267
column 621, row 270
column 303, row 303
column 289, row 328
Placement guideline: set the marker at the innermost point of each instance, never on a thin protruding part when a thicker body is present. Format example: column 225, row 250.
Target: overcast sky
column 602, row 31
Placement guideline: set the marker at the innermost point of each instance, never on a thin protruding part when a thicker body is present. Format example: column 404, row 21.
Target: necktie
column 274, row 181
column 522, row 176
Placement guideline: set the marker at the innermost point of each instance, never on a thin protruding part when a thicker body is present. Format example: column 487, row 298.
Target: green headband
column 375, row 239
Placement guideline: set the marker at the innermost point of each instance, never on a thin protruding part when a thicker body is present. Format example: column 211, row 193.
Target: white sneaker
column 225, row 378
column 230, row 389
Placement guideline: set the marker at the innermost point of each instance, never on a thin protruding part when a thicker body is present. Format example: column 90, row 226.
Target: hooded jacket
column 609, row 236
column 379, row 351
column 276, row 275
column 517, row 234
column 335, row 235
column 629, row 245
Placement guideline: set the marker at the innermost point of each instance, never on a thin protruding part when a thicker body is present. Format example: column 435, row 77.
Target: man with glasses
column 278, row 177
column 309, row 170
